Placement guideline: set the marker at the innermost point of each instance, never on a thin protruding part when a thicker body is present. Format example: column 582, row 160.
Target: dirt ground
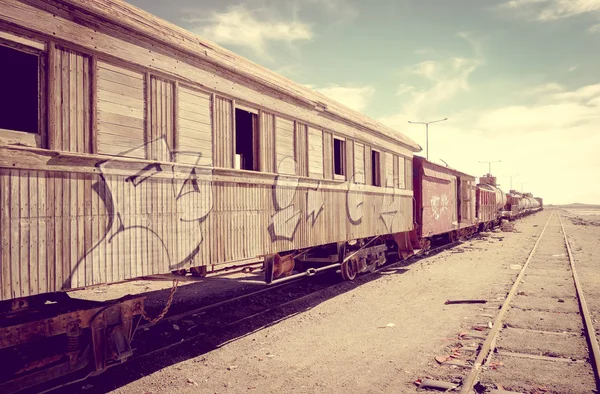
column 377, row 335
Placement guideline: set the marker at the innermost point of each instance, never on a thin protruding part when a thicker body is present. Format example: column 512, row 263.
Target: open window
column 20, row 95
column 375, row 168
column 246, row 140
column 339, row 157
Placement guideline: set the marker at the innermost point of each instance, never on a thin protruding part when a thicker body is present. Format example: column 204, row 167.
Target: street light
column 490, row 165
column 511, row 177
column 522, row 183
column 427, row 133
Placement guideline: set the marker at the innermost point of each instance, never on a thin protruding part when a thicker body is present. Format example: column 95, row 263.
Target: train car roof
column 439, row 167
column 115, row 13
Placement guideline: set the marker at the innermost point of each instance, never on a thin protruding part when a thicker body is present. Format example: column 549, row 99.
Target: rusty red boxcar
column 444, row 201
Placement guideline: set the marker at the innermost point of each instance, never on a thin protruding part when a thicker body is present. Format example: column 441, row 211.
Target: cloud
column 549, row 10
column 441, row 80
column 552, row 143
column 594, row 28
column 339, row 11
column 241, row 27
column 354, row 97
column 545, row 88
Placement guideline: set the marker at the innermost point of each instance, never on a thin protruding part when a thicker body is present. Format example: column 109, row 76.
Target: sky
column 518, row 80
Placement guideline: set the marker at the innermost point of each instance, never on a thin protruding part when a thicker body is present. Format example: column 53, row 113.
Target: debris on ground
column 451, row 302
column 507, row 227
column 436, row 385
column 516, row 266
column 192, row 382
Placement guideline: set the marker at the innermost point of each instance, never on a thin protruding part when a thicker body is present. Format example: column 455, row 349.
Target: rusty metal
column 444, row 199
column 166, row 307
column 110, row 325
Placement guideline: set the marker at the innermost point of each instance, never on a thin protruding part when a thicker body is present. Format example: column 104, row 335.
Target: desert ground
column 378, row 334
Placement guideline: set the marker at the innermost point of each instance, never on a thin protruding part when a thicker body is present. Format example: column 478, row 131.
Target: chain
column 166, row 308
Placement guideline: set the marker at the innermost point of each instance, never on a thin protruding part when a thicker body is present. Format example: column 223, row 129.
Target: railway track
column 542, row 339
column 205, row 326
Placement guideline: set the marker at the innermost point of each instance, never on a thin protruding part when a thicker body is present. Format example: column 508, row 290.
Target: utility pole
column 490, row 165
column 523, row 183
column 427, row 133
column 511, row 177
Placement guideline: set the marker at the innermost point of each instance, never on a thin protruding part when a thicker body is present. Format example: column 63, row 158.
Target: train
column 131, row 147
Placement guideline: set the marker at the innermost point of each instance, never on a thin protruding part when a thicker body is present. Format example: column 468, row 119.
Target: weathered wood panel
column 223, row 133
column 401, row 170
column 301, row 149
column 81, row 228
column 266, row 142
column 359, row 163
column 284, row 146
column 327, row 155
column 70, row 129
column 349, row 161
column 120, row 111
column 368, row 165
column 315, row 153
column 409, row 174
column 99, row 39
column 388, row 170
column 161, row 121
column 194, row 131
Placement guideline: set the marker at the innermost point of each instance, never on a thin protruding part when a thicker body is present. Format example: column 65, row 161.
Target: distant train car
column 445, row 201
column 490, row 202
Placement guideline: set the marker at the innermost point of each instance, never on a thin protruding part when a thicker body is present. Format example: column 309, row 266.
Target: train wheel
column 349, row 269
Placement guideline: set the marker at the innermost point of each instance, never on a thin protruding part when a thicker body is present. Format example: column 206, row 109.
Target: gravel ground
column 379, row 334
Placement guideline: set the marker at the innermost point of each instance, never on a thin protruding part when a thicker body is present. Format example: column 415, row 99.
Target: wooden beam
column 53, row 98
column 93, row 105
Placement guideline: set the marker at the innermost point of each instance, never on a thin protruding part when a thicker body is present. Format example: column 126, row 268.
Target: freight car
column 520, row 204
column 131, row 147
column 490, row 202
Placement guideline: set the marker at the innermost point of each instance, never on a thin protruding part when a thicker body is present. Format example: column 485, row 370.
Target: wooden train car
column 131, row 147
column 490, row 202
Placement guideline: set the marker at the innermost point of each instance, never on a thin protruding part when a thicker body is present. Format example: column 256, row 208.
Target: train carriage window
column 339, row 157
column 375, row 168
column 19, row 101
column 246, row 140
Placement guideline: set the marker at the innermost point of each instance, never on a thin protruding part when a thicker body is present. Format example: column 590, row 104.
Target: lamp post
column 427, row 133
column 511, row 177
column 522, row 183
column 490, row 165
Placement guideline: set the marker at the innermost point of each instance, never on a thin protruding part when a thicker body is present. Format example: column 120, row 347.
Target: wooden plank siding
column 284, row 146
column 71, row 109
column 315, row 153
column 120, row 110
column 327, row 155
column 161, row 120
column 349, row 160
column 223, row 132
column 401, row 171
column 301, row 143
column 266, row 142
column 359, row 163
column 94, row 214
column 388, row 170
column 194, row 136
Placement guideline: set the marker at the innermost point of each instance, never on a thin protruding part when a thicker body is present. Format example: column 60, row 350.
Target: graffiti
column 154, row 211
column 355, row 200
column 439, row 205
column 314, row 204
column 389, row 207
column 286, row 219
